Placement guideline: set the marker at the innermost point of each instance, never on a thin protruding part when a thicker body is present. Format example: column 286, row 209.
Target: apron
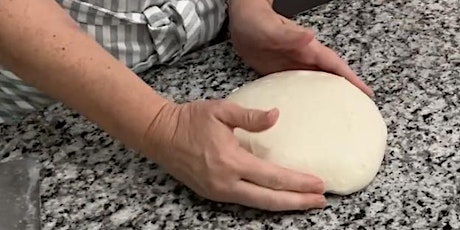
column 139, row 33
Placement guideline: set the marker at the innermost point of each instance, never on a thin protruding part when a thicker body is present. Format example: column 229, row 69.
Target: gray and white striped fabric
column 140, row 33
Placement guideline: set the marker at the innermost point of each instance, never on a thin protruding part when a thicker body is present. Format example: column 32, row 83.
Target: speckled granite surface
column 407, row 50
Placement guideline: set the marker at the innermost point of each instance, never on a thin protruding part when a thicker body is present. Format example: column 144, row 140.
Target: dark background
column 289, row 8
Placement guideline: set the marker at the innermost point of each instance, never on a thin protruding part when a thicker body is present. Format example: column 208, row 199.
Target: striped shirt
column 140, row 33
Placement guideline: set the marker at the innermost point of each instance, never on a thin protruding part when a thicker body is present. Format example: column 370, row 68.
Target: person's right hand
column 195, row 143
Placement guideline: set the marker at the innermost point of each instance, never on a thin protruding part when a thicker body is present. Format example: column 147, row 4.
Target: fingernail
column 372, row 95
column 272, row 113
column 319, row 202
column 322, row 202
column 371, row 92
column 319, row 187
column 272, row 110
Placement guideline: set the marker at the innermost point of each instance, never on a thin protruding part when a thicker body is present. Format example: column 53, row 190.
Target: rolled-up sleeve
column 140, row 33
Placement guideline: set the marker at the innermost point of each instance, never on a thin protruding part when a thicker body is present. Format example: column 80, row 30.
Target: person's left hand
column 269, row 42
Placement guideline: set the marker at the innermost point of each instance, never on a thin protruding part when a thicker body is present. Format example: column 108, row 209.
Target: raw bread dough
column 326, row 127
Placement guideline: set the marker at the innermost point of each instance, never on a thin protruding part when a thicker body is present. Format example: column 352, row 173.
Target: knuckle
column 276, row 181
column 302, row 183
column 248, row 117
column 225, row 161
column 217, row 190
column 306, row 204
column 222, row 107
column 220, row 103
column 305, row 186
column 216, row 186
column 271, row 204
column 271, row 41
column 220, row 187
column 203, row 193
column 222, row 164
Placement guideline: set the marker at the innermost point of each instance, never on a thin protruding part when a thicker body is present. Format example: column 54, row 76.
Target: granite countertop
column 407, row 50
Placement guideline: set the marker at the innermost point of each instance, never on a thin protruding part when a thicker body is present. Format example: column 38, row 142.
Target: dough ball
column 327, row 127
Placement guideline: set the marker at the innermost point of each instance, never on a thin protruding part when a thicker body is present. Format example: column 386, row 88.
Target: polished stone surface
column 407, row 50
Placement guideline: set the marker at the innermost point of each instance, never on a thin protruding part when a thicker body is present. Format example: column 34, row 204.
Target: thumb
column 251, row 120
column 294, row 35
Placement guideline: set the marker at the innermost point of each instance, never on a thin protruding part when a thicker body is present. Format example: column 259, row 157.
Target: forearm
column 42, row 45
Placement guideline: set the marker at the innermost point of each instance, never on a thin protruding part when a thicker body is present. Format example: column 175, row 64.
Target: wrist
column 160, row 131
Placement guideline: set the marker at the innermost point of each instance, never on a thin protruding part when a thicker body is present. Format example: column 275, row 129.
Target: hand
column 194, row 142
column 269, row 42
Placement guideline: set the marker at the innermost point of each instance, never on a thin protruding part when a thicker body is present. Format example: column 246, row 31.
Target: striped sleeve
column 139, row 33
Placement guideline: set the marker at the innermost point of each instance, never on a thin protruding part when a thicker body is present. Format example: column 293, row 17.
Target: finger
column 251, row 120
column 292, row 36
column 342, row 69
column 255, row 196
column 272, row 176
column 297, row 36
column 331, row 62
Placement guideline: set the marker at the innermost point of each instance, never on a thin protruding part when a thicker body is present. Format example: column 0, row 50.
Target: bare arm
column 45, row 47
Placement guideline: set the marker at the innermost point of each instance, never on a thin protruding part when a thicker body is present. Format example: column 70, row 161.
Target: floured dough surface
column 326, row 127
